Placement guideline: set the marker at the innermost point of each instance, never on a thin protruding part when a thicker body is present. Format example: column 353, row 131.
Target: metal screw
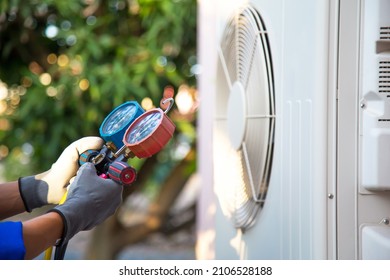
column 386, row 221
column 330, row 196
column 362, row 105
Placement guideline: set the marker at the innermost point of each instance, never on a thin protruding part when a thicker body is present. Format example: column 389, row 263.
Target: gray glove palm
column 90, row 200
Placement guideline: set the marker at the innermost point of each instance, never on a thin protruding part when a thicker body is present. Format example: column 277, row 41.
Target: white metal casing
column 317, row 206
column 294, row 216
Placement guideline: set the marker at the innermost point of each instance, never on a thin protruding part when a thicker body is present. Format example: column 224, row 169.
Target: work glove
column 90, row 200
column 50, row 186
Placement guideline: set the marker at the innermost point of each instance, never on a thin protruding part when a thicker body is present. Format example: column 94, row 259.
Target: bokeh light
column 84, row 84
column 147, row 103
column 63, row 60
column 45, row 79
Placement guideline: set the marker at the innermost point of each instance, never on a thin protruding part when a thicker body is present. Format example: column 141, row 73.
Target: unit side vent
column 384, row 77
column 384, row 33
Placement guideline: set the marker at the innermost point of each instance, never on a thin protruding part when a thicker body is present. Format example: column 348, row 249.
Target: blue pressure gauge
column 115, row 124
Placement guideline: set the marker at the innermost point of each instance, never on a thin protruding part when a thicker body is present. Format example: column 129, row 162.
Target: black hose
column 60, row 251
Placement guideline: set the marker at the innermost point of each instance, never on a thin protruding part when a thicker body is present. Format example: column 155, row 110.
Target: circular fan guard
column 245, row 117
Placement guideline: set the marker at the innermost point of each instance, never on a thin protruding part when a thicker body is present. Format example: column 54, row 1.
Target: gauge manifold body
column 149, row 133
column 87, row 156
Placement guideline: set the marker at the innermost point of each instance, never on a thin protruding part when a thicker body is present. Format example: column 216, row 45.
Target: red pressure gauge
column 150, row 132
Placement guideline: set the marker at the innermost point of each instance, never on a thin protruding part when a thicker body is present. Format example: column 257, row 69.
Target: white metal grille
column 243, row 162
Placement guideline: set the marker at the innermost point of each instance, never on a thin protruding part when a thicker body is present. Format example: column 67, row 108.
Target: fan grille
column 243, row 171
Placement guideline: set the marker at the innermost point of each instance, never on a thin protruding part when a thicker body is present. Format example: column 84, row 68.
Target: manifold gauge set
column 129, row 131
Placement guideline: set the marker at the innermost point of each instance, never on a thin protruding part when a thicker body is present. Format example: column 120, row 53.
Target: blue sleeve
column 11, row 241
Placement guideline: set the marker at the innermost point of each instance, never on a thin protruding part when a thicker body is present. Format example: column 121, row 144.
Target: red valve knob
column 122, row 173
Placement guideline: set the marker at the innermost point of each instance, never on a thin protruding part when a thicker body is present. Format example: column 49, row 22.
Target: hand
column 50, row 186
column 90, row 200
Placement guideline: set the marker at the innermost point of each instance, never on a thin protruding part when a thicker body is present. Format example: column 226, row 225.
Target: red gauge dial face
column 149, row 133
column 143, row 127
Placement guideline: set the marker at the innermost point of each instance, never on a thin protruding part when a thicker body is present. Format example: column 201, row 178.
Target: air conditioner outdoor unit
column 294, row 129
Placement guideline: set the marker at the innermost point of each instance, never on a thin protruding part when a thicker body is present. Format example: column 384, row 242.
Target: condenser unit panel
column 375, row 102
column 269, row 151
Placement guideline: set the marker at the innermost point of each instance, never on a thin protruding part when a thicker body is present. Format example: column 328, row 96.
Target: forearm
column 41, row 233
column 10, row 200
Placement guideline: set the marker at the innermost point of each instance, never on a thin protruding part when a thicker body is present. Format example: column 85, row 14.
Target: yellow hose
column 62, row 201
column 49, row 251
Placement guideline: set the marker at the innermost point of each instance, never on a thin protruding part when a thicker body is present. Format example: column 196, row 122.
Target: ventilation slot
column 384, row 77
column 384, row 33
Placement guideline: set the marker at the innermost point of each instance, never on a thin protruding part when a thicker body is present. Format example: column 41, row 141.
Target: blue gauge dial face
column 119, row 119
column 143, row 128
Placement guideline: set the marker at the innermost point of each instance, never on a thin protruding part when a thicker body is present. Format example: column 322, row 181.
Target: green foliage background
column 125, row 50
